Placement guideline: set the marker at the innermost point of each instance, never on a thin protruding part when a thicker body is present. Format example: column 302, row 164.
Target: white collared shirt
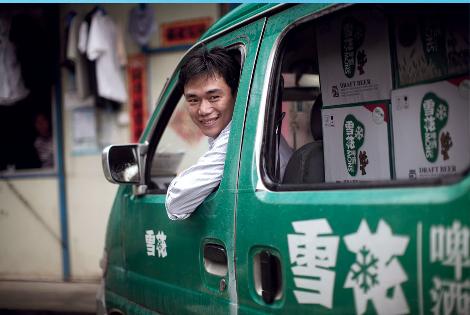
column 189, row 189
column 105, row 46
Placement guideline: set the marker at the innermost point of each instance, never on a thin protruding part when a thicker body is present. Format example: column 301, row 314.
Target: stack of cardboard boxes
column 430, row 106
column 356, row 79
column 374, row 129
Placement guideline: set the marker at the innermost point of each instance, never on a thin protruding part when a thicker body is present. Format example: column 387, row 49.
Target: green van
column 371, row 214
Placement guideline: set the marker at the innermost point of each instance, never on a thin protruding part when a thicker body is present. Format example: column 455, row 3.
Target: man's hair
column 216, row 61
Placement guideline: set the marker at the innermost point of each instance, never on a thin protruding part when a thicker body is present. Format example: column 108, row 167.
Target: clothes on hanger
column 65, row 61
column 142, row 24
column 82, row 85
column 101, row 41
column 82, row 47
column 103, row 38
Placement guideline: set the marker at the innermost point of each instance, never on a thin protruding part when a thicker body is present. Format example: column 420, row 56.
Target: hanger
column 98, row 8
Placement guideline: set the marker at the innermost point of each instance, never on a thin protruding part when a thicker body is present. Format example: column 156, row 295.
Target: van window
column 177, row 143
column 181, row 144
column 372, row 94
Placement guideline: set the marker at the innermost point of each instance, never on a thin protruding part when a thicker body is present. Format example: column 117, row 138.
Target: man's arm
column 189, row 189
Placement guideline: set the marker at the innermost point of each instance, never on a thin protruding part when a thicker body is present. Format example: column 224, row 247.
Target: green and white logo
column 352, row 37
column 434, row 114
column 353, row 139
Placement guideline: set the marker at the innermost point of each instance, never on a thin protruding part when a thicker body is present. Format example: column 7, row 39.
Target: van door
column 307, row 246
column 179, row 267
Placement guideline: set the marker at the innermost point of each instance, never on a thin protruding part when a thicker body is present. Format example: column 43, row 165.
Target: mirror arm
column 143, row 148
column 141, row 188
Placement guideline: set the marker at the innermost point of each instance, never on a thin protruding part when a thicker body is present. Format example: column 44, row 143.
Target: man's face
column 210, row 103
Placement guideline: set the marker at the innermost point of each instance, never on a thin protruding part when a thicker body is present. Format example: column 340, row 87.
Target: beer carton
column 430, row 48
column 356, row 142
column 354, row 58
column 431, row 132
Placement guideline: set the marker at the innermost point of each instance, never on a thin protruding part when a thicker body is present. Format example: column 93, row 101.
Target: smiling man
column 209, row 79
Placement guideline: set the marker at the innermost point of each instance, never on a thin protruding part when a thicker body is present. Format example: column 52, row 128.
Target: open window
column 29, row 48
column 176, row 142
column 293, row 119
column 370, row 95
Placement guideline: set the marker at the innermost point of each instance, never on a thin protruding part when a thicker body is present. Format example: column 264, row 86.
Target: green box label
column 353, row 139
column 434, row 114
column 352, row 37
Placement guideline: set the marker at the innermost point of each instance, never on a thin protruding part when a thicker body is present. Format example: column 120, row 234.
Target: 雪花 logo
column 353, row 139
column 155, row 243
column 433, row 118
column 352, row 37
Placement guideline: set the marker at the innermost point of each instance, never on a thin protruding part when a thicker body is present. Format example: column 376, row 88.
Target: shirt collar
column 225, row 130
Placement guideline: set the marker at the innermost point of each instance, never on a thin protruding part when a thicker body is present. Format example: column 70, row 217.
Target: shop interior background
column 57, row 115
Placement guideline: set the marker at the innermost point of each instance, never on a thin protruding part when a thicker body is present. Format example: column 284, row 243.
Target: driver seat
column 306, row 166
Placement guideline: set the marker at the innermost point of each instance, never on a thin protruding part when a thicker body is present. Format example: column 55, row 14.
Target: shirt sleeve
column 96, row 37
column 83, row 37
column 189, row 189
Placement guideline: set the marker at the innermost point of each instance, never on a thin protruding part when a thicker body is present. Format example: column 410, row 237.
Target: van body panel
column 242, row 14
column 116, row 302
column 115, row 275
column 406, row 225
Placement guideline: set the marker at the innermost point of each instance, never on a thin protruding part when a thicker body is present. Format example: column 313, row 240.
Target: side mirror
column 124, row 164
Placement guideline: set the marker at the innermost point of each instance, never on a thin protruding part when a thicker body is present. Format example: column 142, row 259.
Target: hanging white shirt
column 103, row 46
column 189, row 189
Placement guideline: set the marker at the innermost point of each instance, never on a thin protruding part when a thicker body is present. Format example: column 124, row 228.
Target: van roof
column 237, row 15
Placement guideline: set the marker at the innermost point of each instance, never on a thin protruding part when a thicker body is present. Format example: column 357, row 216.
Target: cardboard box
column 354, row 58
column 356, row 142
column 428, row 49
column 431, row 132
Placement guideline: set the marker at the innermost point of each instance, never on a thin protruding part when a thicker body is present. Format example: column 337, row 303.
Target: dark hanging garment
column 67, row 63
column 91, row 65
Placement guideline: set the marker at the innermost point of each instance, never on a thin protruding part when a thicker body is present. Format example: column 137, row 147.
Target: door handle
column 215, row 259
column 270, row 276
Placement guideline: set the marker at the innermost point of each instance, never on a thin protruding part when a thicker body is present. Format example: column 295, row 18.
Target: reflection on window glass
column 181, row 145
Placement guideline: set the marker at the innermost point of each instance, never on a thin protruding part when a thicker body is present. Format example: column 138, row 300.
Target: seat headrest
column 315, row 119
